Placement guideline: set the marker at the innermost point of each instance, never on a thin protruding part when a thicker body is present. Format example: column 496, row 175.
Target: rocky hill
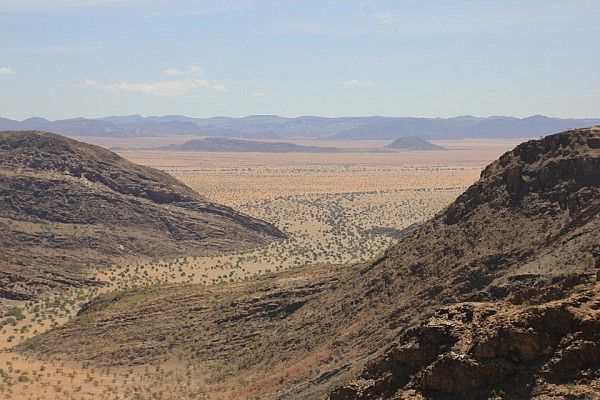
column 494, row 298
column 413, row 143
column 66, row 206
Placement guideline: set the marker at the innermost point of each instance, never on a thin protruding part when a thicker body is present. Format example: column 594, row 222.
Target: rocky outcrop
column 479, row 350
column 561, row 171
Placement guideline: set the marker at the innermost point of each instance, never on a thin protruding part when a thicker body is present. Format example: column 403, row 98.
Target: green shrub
column 15, row 312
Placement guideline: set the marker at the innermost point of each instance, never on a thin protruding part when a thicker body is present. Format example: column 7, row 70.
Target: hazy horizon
column 294, row 116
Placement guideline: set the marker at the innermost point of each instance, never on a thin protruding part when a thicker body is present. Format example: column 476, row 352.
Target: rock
column 492, row 353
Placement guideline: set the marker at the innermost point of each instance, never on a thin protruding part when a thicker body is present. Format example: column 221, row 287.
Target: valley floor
column 331, row 206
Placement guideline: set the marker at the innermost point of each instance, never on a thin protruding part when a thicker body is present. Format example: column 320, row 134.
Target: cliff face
column 66, row 205
column 492, row 298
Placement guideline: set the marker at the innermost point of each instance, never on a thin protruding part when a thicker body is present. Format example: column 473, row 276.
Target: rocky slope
column 531, row 328
column 492, row 298
column 66, row 206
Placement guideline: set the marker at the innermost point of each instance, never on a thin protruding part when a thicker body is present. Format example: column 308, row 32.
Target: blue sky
column 67, row 58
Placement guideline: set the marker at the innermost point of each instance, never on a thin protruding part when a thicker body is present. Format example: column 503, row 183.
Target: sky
column 91, row 58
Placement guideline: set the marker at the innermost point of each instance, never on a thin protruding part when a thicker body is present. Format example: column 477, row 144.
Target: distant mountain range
column 272, row 126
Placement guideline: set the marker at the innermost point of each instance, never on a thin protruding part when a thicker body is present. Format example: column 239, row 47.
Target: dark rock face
column 473, row 350
column 66, row 206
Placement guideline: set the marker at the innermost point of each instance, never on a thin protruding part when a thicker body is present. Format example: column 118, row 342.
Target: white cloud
column 383, row 18
column 356, row 83
column 193, row 70
column 173, row 71
column 164, row 88
column 203, row 83
column 6, row 71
